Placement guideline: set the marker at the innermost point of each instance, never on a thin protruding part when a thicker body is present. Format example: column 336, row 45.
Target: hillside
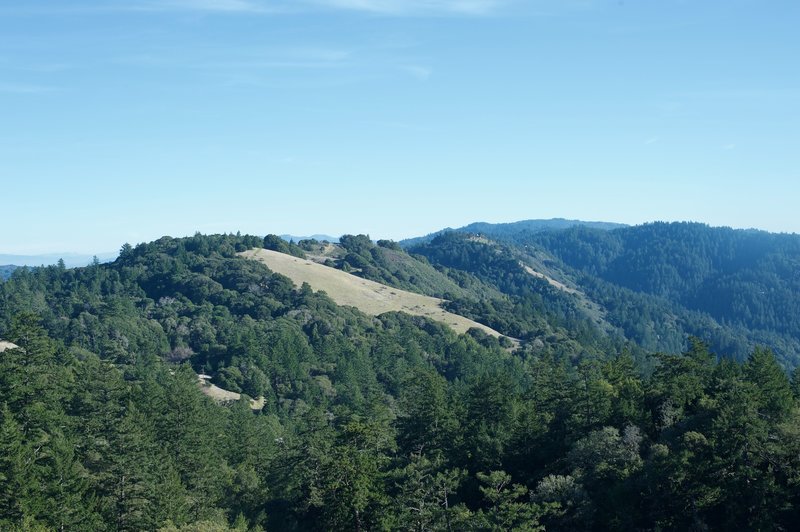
column 737, row 288
column 537, row 313
column 368, row 296
column 654, row 285
column 386, row 262
column 539, row 299
column 374, row 420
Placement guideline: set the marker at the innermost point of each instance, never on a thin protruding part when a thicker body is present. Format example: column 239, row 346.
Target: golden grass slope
column 368, row 296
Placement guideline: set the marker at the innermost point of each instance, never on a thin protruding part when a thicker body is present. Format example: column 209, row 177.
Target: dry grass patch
column 6, row 345
column 224, row 396
column 368, row 296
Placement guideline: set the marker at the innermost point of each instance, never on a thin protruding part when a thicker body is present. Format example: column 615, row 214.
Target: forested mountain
column 655, row 284
column 504, row 230
column 737, row 288
column 396, row 422
column 553, row 224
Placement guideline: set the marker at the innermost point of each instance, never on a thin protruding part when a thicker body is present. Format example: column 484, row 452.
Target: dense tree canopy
column 367, row 423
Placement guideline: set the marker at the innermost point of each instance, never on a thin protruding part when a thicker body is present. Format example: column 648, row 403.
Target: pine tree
column 66, row 484
column 18, row 487
column 774, row 393
column 509, row 506
column 425, row 495
column 426, row 425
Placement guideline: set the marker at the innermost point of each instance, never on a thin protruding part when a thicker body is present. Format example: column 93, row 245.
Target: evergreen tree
column 773, row 387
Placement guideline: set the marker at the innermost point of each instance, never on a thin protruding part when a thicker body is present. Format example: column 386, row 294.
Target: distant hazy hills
column 71, row 260
column 536, row 225
column 9, row 263
column 320, row 238
column 501, row 230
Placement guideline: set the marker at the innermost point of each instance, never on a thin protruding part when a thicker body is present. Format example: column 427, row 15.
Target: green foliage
column 772, row 385
column 426, row 495
column 385, row 262
column 390, row 422
column 6, row 271
column 276, row 243
column 509, row 507
column 571, row 507
column 736, row 288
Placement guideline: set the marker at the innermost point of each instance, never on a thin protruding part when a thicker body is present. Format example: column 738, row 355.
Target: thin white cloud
column 219, row 6
column 216, row 5
column 154, row 6
column 397, row 125
column 651, row 140
column 414, row 7
column 421, row 73
column 243, row 59
column 23, row 88
column 380, row 7
column 729, row 147
column 39, row 68
column 755, row 93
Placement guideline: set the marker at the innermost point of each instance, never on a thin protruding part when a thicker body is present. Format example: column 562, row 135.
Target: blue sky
column 124, row 120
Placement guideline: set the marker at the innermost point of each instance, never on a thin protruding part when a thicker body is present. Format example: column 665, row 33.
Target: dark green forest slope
column 658, row 283
column 741, row 286
column 387, row 423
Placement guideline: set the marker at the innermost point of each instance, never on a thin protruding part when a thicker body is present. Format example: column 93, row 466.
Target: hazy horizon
column 75, row 257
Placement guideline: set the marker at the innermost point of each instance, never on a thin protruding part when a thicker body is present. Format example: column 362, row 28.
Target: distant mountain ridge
column 71, row 260
column 501, row 230
column 295, row 239
column 538, row 225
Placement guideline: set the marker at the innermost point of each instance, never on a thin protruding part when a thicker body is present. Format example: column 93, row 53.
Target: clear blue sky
column 124, row 120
